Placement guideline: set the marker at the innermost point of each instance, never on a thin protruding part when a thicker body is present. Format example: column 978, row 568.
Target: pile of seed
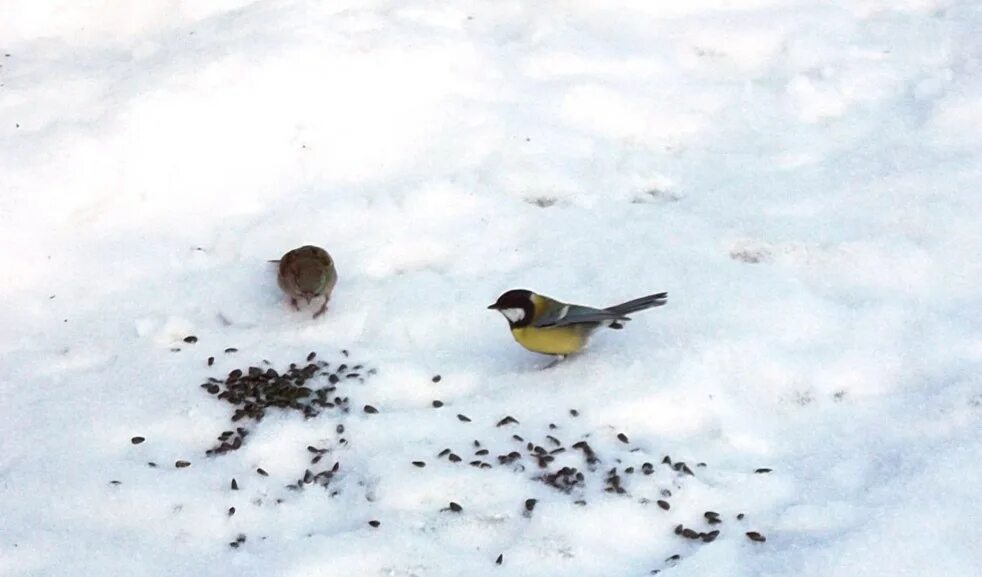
column 308, row 388
column 568, row 479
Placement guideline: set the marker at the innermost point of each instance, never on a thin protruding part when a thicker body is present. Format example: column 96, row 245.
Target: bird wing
column 563, row 315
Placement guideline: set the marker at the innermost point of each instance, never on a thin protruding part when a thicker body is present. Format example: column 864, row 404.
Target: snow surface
column 803, row 177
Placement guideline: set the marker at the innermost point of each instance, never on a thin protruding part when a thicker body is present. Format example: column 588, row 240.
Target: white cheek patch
column 513, row 315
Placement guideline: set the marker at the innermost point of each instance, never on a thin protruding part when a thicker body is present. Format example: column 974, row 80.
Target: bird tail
column 640, row 304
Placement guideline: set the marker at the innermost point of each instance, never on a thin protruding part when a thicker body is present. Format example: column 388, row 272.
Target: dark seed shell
column 463, row 418
column 664, row 505
column 262, row 472
column 500, row 559
column 231, row 511
column 190, row 339
column 763, row 470
column 437, row 404
column 755, row 536
column 211, row 361
column 182, row 464
column 622, row 438
column 234, row 484
column 231, row 350
column 370, row 410
column 137, row 440
column 530, row 504
column 455, row 507
column 419, row 464
column 436, row 378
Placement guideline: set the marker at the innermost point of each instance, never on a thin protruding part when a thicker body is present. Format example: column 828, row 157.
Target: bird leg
column 555, row 361
column 296, row 306
column 323, row 308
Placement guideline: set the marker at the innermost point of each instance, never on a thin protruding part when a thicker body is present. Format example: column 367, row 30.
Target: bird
column 307, row 273
column 551, row 327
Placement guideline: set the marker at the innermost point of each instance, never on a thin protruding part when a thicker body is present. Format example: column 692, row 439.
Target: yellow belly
column 552, row 341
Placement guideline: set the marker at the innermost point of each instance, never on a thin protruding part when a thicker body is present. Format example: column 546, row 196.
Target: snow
column 802, row 177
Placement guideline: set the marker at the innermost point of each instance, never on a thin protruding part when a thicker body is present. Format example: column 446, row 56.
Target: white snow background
column 803, row 177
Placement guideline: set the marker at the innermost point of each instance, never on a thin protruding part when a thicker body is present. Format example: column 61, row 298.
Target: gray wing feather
column 575, row 314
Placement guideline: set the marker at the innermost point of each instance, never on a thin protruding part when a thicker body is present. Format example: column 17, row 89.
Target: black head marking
column 520, row 299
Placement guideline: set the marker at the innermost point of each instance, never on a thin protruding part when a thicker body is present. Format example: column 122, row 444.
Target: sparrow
column 307, row 273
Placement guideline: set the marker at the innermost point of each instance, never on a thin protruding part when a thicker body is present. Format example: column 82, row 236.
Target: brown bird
column 307, row 273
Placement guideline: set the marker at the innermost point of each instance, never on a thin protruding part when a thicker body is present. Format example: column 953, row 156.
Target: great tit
column 547, row 326
column 307, row 273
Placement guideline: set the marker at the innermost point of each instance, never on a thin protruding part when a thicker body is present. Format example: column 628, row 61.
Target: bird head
column 515, row 305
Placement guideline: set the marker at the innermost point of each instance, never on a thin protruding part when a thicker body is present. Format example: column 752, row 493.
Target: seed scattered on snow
column 762, row 470
column 419, row 464
column 530, row 504
column 374, row 523
column 191, row 339
column 231, row 511
column 463, row 418
column 500, row 559
column 622, row 438
column 574, row 412
column 664, row 505
column 211, row 361
column 262, row 472
column 231, row 350
column 454, row 507
column 437, row 404
column 507, row 420
column 437, row 378
column 182, row 464
column 370, row 410
column 755, row 536
column 311, row 356
column 137, row 440
column 740, row 517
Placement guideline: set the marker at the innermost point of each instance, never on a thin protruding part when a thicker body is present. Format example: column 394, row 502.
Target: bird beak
column 308, row 297
column 493, row 306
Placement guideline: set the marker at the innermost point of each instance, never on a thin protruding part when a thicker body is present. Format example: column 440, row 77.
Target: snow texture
column 802, row 177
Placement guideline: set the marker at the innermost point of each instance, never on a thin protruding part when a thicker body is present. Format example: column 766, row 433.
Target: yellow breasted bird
column 547, row 326
column 307, row 273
